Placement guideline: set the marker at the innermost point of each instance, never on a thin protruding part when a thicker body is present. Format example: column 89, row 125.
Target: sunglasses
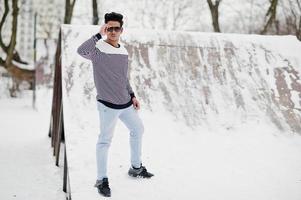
column 114, row 28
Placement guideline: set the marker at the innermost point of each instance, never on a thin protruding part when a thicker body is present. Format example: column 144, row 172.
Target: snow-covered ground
column 250, row 162
column 224, row 147
column 27, row 167
column 233, row 152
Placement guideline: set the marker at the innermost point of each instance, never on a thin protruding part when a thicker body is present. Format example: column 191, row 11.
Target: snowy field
column 232, row 150
column 218, row 122
column 28, row 170
column 250, row 162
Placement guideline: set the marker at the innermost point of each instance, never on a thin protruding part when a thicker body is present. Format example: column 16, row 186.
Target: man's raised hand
column 103, row 30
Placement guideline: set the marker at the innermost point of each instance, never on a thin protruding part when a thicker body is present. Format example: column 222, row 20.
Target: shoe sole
column 109, row 195
column 138, row 176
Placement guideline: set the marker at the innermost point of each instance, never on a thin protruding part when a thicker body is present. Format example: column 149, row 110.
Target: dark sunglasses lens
column 116, row 29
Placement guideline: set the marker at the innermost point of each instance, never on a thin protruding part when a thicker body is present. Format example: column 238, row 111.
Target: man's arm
column 88, row 49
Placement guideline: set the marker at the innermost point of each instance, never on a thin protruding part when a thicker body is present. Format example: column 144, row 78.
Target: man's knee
column 104, row 141
column 137, row 130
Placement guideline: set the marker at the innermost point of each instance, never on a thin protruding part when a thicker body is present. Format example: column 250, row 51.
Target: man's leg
column 108, row 118
column 131, row 119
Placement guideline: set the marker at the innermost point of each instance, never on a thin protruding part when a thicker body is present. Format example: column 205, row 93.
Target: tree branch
column 210, row 4
column 6, row 10
column 272, row 13
column 68, row 11
column 12, row 43
column 95, row 12
column 299, row 4
column 217, row 2
column 2, row 62
column 17, row 58
column 214, row 14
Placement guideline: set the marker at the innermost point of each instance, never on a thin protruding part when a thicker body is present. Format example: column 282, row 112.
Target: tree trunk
column 16, row 57
column 95, row 19
column 67, row 20
column 18, row 74
column 12, row 43
column 271, row 14
column 298, row 29
column 3, row 19
column 69, row 11
column 214, row 14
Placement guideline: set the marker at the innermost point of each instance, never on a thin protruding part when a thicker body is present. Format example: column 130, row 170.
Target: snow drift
column 191, row 84
column 202, row 79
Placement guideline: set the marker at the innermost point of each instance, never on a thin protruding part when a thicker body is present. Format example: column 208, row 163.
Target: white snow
column 251, row 162
column 235, row 154
column 28, row 170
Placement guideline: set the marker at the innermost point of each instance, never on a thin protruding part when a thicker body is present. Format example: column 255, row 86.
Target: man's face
column 113, row 30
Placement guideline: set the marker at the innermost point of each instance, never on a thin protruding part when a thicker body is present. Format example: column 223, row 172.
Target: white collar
column 109, row 49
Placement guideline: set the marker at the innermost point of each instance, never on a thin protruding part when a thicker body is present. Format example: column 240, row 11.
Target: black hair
column 114, row 17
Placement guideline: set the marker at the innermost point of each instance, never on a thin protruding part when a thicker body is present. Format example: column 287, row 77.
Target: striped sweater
column 110, row 69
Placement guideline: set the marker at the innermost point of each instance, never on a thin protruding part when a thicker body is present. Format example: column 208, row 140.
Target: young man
column 115, row 97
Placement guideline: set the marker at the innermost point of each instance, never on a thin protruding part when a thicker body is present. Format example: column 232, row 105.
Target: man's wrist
column 98, row 36
column 132, row 95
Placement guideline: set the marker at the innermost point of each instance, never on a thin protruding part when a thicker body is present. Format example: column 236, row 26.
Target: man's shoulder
column 108, row 49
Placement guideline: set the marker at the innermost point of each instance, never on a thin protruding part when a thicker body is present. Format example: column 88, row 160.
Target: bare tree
column 164, row 14
column 69, row 5
column 95, row 19
column 49, row 22
column 69, row 11
column 214, row 14
column 180, row 13
column 18, row 74
column 271, row 15
column 298, row 32
column 297, row 18
column 251, row 17
column 289, row 17
column 67, row 20
column 147, row 13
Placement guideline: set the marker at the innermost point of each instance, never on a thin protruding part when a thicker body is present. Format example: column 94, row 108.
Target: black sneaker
column 103, row 187
column 139, row 172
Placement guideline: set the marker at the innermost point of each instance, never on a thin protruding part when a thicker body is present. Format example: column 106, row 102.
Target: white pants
column 108, row 118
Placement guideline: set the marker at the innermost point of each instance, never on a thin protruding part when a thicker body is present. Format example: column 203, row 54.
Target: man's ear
column 121, row 30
